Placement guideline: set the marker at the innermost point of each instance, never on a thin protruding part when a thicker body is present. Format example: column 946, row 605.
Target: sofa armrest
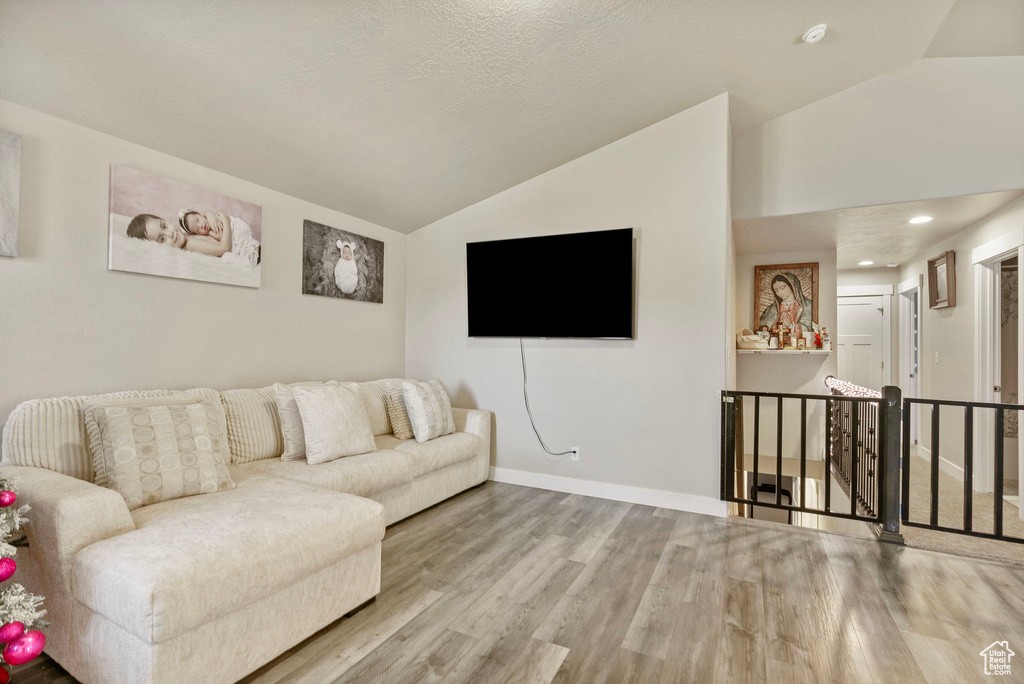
column 473, row 421
column 476, row 422
column 67, row 514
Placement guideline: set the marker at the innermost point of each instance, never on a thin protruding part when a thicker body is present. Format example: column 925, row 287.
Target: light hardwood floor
column 512, row 584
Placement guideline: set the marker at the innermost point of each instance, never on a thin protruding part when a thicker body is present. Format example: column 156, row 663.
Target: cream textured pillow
column 334, row 421
column 158, row 449
column 397, row 413
column 430, row 409
column 291, row 421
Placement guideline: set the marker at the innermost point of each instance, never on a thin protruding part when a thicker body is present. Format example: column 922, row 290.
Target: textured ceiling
column 981, row 28
column 404, row 112
column 880, row 234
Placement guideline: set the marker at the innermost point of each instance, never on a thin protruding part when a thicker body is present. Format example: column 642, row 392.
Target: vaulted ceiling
column 402, row 112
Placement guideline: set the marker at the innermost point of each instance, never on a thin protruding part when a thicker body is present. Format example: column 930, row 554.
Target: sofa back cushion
column 254, row 427
column 159, row 448
column 50, row 433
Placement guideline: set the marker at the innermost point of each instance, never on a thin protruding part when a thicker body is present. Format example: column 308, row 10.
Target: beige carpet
column 951, row 514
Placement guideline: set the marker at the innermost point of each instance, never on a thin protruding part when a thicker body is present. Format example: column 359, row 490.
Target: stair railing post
column 890, row 408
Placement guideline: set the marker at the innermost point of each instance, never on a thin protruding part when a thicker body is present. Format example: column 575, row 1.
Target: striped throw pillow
column 375, row 398
column 397, row 413
column 254, row 427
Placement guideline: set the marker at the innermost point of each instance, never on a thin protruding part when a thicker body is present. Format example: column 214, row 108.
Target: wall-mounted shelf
column 782, row 352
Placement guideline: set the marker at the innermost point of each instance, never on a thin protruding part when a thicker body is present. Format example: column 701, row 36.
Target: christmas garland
column 21, row 616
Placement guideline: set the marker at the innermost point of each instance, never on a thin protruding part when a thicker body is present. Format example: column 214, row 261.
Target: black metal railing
column 966, row 497
column 866, row 446
column 791, row 458
column 854, row 442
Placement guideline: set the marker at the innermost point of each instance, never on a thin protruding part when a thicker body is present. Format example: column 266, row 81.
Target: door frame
column 986, row 261
column 911, row 287
column 885, row 291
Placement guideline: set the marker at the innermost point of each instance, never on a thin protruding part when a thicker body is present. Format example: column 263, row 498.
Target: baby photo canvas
column 163, row 227
column 337, row 263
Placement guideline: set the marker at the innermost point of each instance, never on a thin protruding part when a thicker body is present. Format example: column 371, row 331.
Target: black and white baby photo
column 337, row 263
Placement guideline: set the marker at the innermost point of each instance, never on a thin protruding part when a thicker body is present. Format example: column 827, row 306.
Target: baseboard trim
column 676, row 501
column 945, row 466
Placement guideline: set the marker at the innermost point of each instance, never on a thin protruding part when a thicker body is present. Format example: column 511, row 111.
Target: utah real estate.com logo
column 997, row 658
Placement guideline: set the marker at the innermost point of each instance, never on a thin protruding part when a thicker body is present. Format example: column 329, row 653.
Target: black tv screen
column 575, row 285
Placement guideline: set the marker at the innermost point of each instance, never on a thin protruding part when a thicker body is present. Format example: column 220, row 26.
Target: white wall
column 644, row 412
column 950, row 331
column 933, row 128
column 69, row 326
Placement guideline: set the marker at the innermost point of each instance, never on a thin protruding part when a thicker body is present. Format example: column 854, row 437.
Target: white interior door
column 859, row 337
column 910, row 351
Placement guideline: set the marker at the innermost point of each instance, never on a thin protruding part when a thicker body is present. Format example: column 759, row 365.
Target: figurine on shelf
column 826, row 342
column 817, row 340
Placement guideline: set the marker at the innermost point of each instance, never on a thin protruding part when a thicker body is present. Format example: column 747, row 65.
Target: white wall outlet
column 936, row 357
column 575, row 455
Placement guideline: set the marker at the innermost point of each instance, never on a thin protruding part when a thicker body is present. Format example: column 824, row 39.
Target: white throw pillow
column 335, row 422
column 430, row 409
column 291, row 420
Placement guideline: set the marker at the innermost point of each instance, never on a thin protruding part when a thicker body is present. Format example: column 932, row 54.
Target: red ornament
column 7, row 568
column 11, row 631
column 7, row 497
column 25, row 648
column 5, row 676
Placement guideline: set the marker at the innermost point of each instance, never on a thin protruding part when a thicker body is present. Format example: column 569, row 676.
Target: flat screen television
column 574, row 285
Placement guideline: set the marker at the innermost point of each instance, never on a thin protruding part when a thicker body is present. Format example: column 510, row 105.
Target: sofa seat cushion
column 195, row 559
column 441, row 451
column 362, row 475
column 387, row 442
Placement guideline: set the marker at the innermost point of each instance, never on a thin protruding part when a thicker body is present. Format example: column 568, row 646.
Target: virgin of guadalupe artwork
column 785, row 294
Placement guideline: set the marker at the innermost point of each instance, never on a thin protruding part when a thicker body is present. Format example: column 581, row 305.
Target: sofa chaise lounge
column 209, row 588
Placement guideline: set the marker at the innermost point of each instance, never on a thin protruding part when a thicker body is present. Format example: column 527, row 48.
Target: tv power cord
column 526, row 398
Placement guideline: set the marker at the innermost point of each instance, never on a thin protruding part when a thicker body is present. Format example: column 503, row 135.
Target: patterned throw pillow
column 397, row 413
column 430, row 409
column 153, row 450
column 335, row 422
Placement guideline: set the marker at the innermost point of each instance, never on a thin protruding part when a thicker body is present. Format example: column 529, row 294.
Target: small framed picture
column 942, row 281
column 801, row 343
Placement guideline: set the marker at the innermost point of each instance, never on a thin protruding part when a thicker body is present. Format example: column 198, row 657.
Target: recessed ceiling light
column 866, row 263
column 814, row 34
column 921, row 219
column 892, row 265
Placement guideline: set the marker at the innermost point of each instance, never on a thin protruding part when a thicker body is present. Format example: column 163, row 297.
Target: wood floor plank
column 330, row 654
column 538, row 662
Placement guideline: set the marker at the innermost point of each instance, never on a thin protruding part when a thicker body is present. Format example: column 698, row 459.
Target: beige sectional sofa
column 208, row 588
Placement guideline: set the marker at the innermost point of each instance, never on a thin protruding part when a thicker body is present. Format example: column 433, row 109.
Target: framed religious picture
column 942, row 281
column 785, row 294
